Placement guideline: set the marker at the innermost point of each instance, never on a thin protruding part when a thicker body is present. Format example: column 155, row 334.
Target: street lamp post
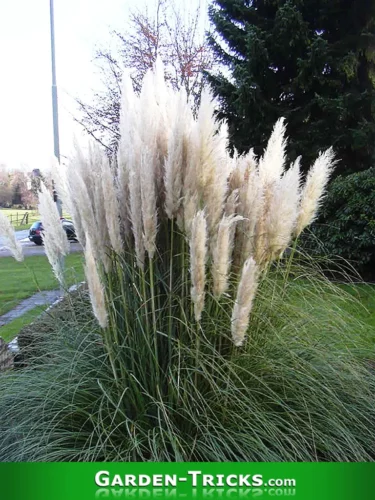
column 55, row 111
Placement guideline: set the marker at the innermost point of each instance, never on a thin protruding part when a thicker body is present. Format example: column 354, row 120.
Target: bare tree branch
column 178, row 42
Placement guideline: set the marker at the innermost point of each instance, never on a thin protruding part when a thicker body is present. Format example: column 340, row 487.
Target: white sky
column 26, row 137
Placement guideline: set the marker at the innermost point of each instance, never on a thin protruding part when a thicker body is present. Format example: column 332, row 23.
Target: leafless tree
column 6, row 193
column 179, row 41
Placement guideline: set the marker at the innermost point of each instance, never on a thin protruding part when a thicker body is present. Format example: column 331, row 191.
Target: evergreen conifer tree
column 311, row 61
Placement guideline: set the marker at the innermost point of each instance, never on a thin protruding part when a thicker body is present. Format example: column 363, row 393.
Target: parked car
column 36, row 231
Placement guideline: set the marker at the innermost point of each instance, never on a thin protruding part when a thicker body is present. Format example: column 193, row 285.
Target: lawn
column 19, row 280
column 9, row 331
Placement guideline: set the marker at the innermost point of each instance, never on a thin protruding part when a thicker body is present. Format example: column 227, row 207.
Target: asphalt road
column 30, row 248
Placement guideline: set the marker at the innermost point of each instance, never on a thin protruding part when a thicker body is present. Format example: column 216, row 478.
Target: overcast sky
column 25, row 79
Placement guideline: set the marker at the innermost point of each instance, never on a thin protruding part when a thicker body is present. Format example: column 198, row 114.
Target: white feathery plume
column 96, row 162
column 216, row 188
column 246, row 200
column 250, row 206
column 148, row 195
column 127, row 127
column 59, row 177
column 78, row 191
column 136, row 215
column 284, row 210
column 153, row 126
column 140, row 136
column 71, row 203
column 148, row 119
column 165, row 112
column 87, row 200
column 313, row 190
column 112, row 209
column 92, row 175
column 230, row 209
column 222, row 253
column 271, row 169
column 214, row 162
column 66, row 192
column 7, row 231
column 95, row 286
column 271, row 165
column 244, row 301
column 208, row 163
column 85, row 166
column 206, row 130
column 53, row 230
column 232, row 203
column 190, row 177
column 236, row 177
column 261, row 240
column 190, row 209
column 165, row 106
column 102, row 238
column 160, row 89
column 55, row 240
column 176, row 158
column 247, row 163
column 198, row 255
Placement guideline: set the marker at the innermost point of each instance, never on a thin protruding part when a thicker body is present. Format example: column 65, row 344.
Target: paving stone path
column 39, row 299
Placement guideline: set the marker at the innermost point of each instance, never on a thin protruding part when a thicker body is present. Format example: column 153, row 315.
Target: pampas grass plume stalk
column 148, row 197
column 96, row 288
column 55, row 241
column 222, row 253
column 284, row 210
column 198, row 254
column 175, row 160
column 7, row 231
column 112, row 208
column 271, row 166
column 244, row 301
column 313, row 190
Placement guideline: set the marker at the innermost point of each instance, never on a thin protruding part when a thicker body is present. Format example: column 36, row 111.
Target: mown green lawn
column 12, row 329
column 19, row 280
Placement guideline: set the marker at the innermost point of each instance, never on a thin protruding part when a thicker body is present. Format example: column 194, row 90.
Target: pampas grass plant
column 202, row 348
column 55, row 240
column 177, row 184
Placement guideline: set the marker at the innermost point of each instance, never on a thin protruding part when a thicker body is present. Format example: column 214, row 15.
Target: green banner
column 68, row 481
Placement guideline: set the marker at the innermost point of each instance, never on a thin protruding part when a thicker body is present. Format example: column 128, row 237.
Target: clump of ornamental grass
column 209, row 345
column 182, row 214
column 302, row 389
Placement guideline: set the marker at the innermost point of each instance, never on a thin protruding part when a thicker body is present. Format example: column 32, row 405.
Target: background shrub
column 346, row 226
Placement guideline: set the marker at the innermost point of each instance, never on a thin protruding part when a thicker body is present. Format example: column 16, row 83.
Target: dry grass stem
column 198, row 254
column 244, row 301
column 7, row 232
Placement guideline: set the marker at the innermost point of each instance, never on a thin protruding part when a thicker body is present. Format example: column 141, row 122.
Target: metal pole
column 55, row 110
